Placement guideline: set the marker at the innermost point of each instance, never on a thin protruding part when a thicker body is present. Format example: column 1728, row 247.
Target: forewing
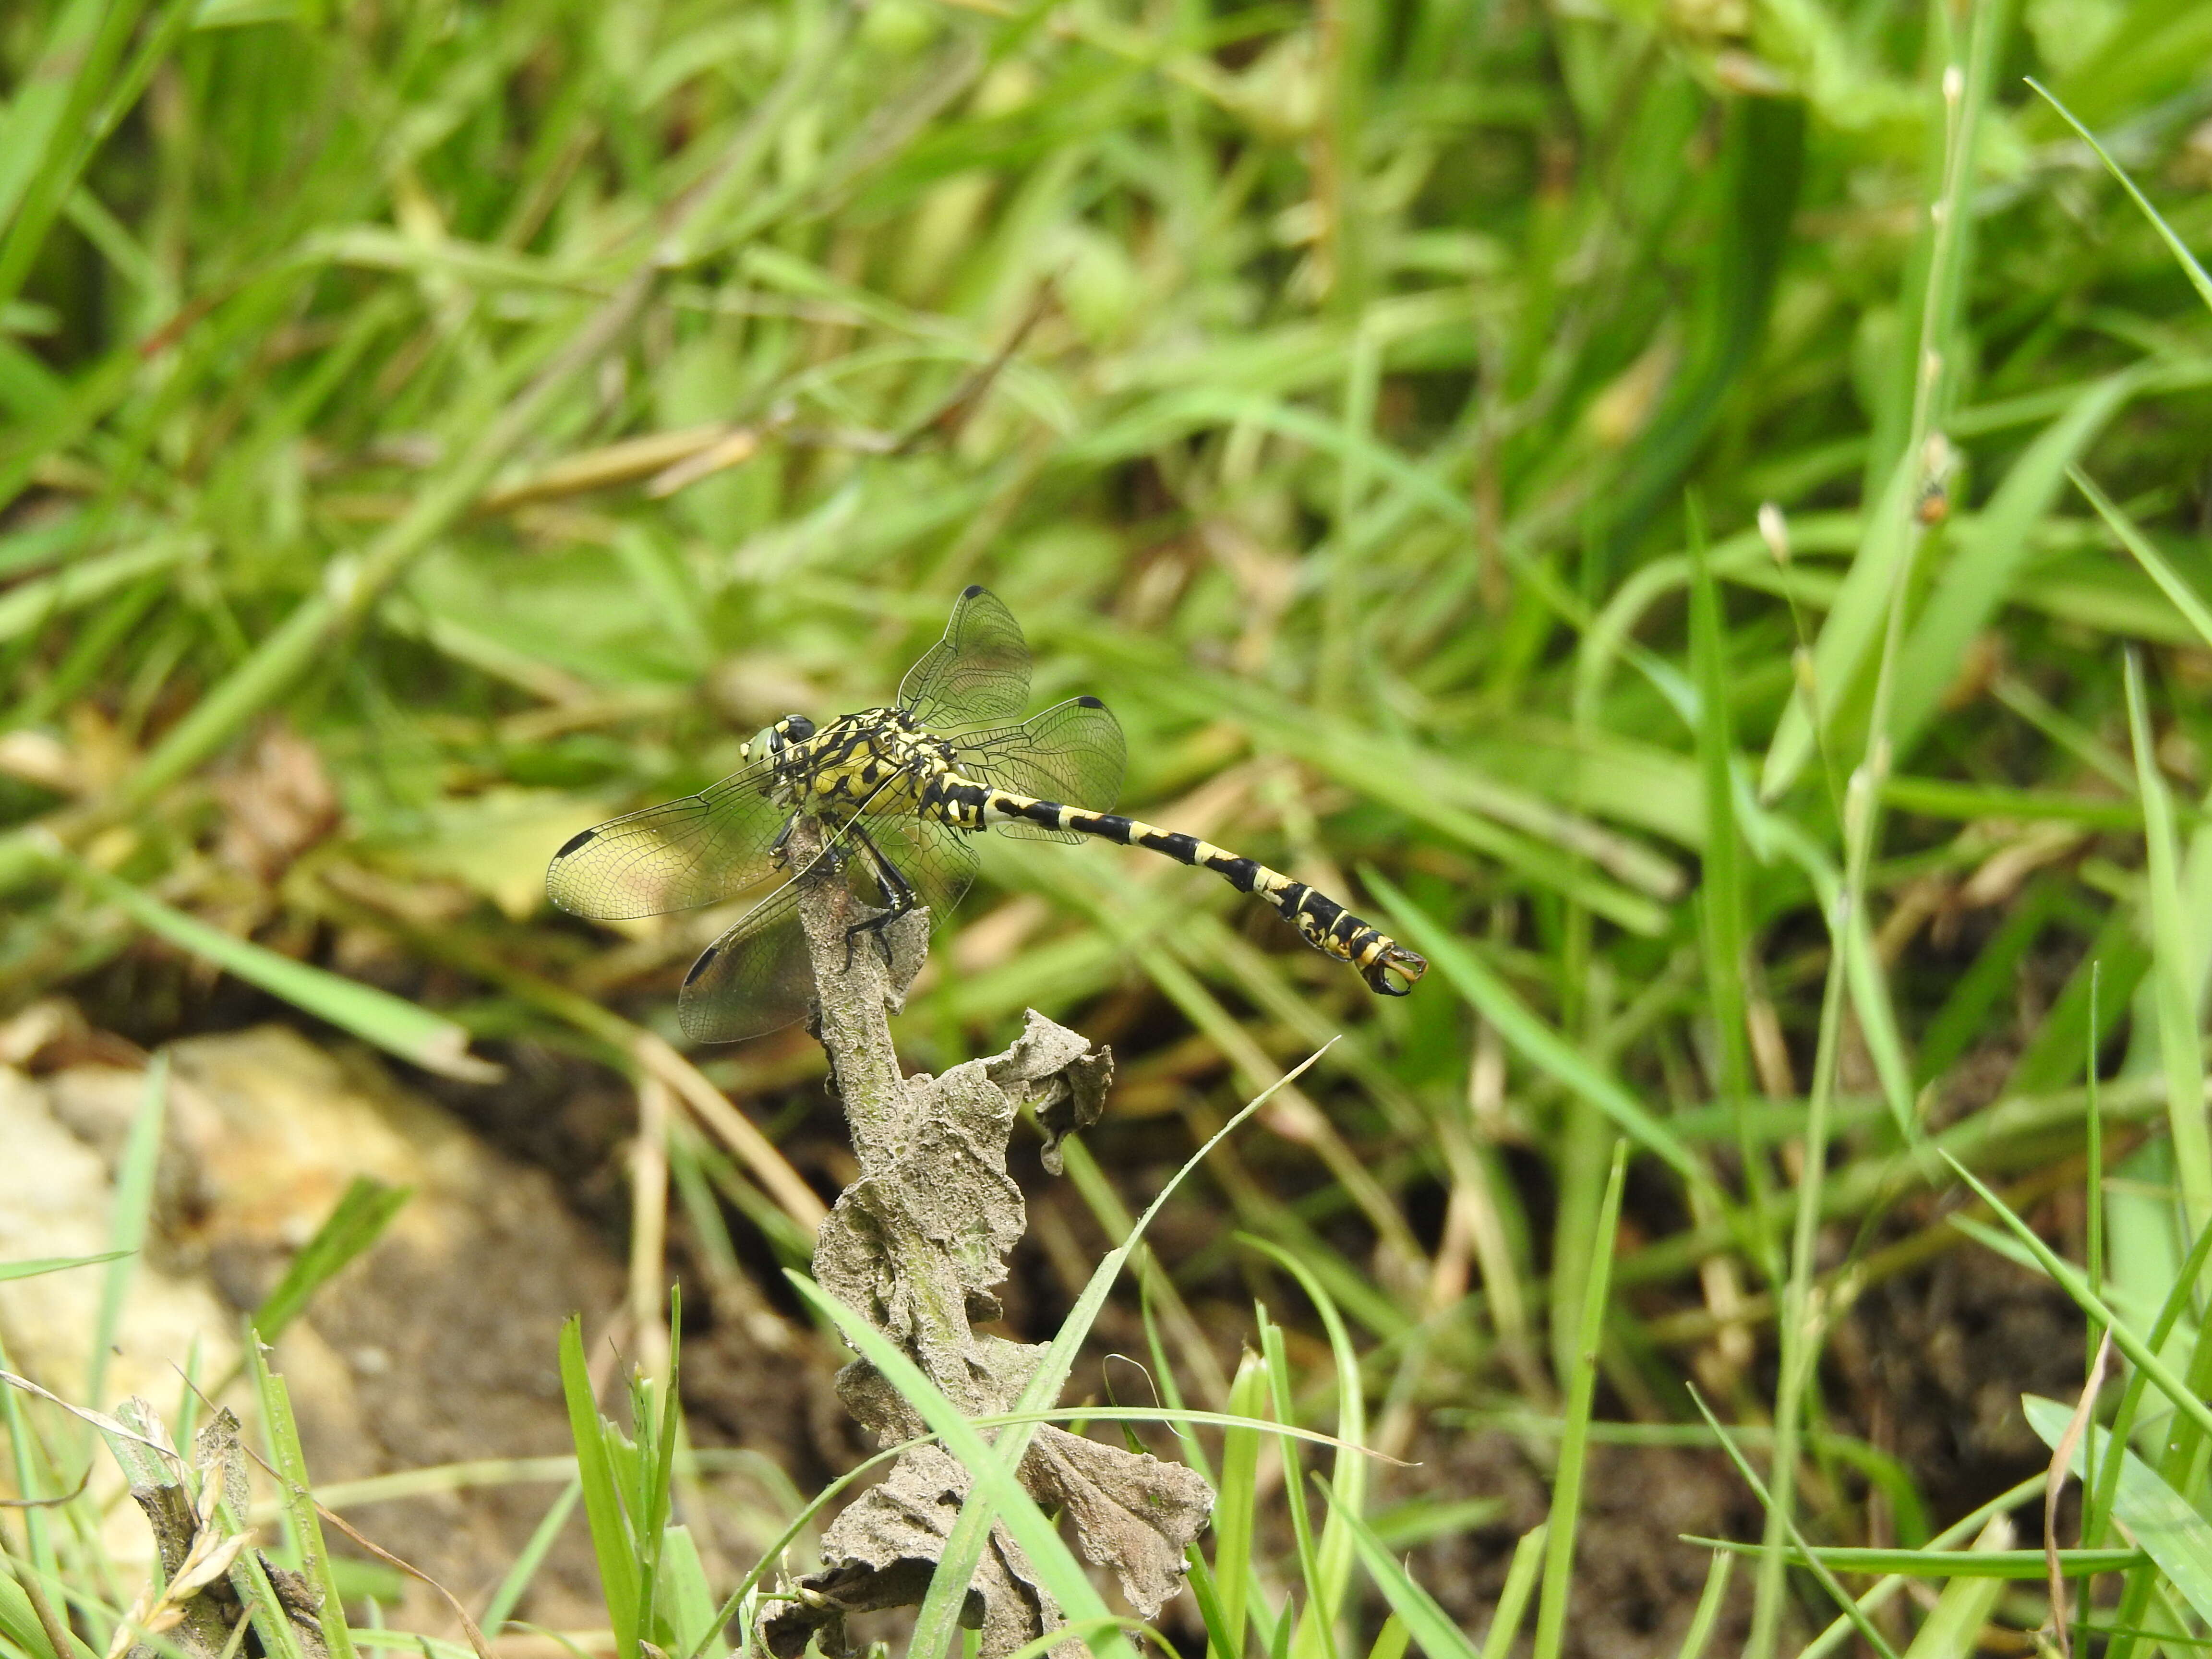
column 978, row 672
column 682, row 853
column 755, row 978
column 758, row 977
column 1072, row 753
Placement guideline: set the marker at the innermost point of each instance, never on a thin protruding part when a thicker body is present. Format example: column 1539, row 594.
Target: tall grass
column 1656, row 501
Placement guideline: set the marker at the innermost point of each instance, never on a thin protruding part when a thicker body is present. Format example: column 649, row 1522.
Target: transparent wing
column 698, row 850
column 1073, row 753
column 755, row 978
column 978, row 672
column 758, row 977
column 938, row 862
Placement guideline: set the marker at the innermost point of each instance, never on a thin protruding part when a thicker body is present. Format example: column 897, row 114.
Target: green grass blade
column 2025, row 1566
column 357, row 1221
column 249, row 1578
column 1967, row 1527
column 131, row 1218
column 24, row 1457
column 1795, row 1540
column 1699, row 1635
column 1234, row 1506
column 2180, row 1299
column 1439, row 1637
column 1529, row 1036
column 1062, row 1576
column 290, row 1467
column 1309, row 1624
column 2165, row 1525
column 19, row 1622
column 2175, row 971
column 660, row 1436
column 1987, row 562
column 1943, row 798
column 2154, row 563
column 1392, row 1640
column 516, row 1584
column 1876, row 1012
column 86, row 78
column 1953, row 1628
column 29, row 607
column 1854, row 627
column 2147, row 553
column 1164, row 1379
column 54, row 1264
column 1521, row 1576
column 2069, row 1278
column 1206, row 1591
column 940, row 1608
column 2195, row 273
column 35, row 122
column 603, row 1505
column 686, row 1602
column 1574, row 1444
column 1348, row 1482
column 390, row 1023
column 1722, row 911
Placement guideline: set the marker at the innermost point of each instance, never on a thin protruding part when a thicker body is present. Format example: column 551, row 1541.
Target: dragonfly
column 900, row 792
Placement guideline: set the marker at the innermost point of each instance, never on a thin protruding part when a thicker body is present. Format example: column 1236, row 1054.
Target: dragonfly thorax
column 881, row 758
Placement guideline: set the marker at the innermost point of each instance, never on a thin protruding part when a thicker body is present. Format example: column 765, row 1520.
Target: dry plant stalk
column 208, row 1588
column 914, row 1246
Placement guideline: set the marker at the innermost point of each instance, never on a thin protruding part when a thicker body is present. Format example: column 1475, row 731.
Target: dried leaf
column 914, row 1246
column 881, row 1551
column 210, row 1558
column 1132, row 1512
column 277, row 802
column 222, row 1466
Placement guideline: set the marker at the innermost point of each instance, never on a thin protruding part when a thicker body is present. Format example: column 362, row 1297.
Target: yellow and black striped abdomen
column 1319, row 920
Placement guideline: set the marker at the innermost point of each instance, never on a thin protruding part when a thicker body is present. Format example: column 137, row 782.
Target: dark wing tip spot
column 1089, row 703
column 574, row 842
column 971, row 590
column 706, row 957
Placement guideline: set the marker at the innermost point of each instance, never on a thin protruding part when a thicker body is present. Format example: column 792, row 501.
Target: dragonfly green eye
column 770, row 741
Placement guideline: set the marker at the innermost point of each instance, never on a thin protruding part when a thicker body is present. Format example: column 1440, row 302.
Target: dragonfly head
column 774, row 740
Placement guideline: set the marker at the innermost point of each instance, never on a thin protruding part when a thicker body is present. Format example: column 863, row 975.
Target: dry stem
column 916, row 1245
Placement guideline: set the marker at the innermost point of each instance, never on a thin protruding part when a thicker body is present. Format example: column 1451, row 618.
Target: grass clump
column 1695, row 513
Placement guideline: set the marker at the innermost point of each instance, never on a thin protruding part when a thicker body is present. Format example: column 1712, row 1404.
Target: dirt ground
column 437, row 1347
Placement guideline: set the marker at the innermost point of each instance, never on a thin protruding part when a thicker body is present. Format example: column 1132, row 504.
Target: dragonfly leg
column 898, row 896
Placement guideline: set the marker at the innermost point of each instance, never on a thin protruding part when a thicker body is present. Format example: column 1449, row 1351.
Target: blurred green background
column 1586, row 484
